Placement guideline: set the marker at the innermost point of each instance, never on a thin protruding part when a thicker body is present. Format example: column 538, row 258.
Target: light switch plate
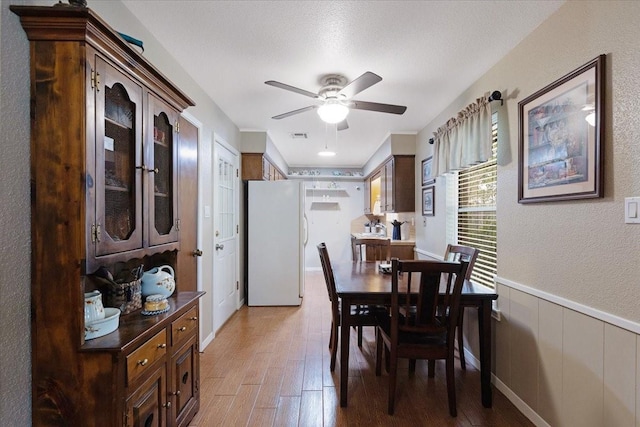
column 632, row 210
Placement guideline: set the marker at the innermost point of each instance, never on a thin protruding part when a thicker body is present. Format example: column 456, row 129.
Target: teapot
column 159, row 280
column 93, row 308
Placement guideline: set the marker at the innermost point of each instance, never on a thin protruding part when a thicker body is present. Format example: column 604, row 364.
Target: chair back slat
column 462, row 253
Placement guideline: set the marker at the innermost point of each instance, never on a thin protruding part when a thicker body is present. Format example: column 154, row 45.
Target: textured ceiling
column 427, row 52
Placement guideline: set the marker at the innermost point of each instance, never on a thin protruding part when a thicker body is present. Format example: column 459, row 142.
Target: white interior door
column 226, row 238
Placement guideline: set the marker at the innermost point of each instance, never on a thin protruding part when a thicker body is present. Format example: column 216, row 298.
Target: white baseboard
column 470, row 359
column 205, row 342
column 519, row 403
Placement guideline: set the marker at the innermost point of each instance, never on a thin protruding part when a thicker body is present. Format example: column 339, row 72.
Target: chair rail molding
column 572, row 305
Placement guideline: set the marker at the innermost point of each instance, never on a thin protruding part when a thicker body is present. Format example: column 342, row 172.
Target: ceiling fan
column 336, row 96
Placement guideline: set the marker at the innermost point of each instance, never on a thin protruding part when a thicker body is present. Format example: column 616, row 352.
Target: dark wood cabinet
column 258, row 167
column 161, row 172
column 185, row 386
column 394, row 183
column 104, row 179
column 146, row 405
column 116, row 217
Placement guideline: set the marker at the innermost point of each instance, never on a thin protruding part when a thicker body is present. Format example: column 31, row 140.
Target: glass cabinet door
column 161, row 154
column 118, row 225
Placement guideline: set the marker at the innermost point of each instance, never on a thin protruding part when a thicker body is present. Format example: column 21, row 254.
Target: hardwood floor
column 269, row 366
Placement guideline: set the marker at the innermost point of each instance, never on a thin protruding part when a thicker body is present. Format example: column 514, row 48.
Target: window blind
column 476, row 219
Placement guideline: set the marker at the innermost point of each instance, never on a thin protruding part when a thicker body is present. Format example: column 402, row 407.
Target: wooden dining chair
column 363, row 316
column 468, row 254
column 378, row 249
column 430, row 334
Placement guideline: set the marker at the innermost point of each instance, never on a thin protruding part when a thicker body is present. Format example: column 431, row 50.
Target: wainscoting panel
column 524, row 347
column 582, row 370
column 550, row 359
column 502, row 343
column 563, row 364
column 619, row 383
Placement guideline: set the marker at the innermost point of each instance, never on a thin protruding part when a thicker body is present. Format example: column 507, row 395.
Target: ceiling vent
column 299, row 135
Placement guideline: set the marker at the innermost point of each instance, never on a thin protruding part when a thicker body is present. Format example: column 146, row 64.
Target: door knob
column 219, row 246
column 197, row 252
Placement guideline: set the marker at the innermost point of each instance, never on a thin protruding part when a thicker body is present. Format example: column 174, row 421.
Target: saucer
column 153, row 313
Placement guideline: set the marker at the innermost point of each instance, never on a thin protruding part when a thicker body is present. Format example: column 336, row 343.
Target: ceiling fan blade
column 292, row 89
column 298, row 111
column 363, row 82
column 374, row 106
column 343, row 125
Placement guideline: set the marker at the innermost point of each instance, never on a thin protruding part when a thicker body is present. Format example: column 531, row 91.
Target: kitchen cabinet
column 257, row 166
column 104, row 180
column 394, row 183
column 368, row 205
column 388, row 200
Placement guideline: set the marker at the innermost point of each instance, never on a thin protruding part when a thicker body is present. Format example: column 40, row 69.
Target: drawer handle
column 143, row 362
column 163, row 345
column 167, row 405
column 184, row 328
column 193, row 318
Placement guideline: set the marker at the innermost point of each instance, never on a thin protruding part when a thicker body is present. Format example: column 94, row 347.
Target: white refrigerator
column 277, row 233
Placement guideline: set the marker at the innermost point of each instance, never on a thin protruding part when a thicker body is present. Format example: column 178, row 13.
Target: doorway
column 226, row 261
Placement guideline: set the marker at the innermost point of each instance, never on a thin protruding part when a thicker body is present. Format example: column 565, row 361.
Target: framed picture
column 426, row 171
column 428, row 200
column 560, row 138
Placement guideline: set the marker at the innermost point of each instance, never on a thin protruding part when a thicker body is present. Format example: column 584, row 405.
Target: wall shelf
column 333, row 192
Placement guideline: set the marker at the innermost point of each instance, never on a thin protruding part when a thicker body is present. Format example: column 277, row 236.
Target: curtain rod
column 496, row 95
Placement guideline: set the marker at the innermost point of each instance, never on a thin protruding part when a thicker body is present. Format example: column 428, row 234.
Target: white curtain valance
column 464, row 140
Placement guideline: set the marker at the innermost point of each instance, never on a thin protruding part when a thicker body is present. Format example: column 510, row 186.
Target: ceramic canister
column 93, row 308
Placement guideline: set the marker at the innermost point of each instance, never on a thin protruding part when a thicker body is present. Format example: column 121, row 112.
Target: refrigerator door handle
column 305, row 225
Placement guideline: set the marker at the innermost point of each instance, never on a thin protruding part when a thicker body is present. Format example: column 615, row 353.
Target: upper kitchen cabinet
column 393, row 183
column 257, row 166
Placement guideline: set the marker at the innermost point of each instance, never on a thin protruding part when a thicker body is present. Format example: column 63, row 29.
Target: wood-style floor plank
column 269, row 366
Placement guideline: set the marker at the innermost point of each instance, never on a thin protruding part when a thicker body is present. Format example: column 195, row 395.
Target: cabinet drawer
column 184, row 325
column 144, row 357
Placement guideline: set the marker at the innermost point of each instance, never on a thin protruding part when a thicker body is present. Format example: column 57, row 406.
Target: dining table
column 359, row 283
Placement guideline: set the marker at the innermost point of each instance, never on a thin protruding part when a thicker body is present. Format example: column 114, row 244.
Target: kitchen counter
column 403, row 242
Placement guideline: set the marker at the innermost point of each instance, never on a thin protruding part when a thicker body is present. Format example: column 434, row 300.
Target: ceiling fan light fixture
column 333, row 112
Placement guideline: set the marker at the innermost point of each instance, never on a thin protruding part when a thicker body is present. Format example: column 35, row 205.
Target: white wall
column 15, row 232
column 331, row 223
column 566, row 347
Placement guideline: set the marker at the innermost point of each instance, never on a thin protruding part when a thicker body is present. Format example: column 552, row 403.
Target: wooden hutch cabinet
column 104, row 180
